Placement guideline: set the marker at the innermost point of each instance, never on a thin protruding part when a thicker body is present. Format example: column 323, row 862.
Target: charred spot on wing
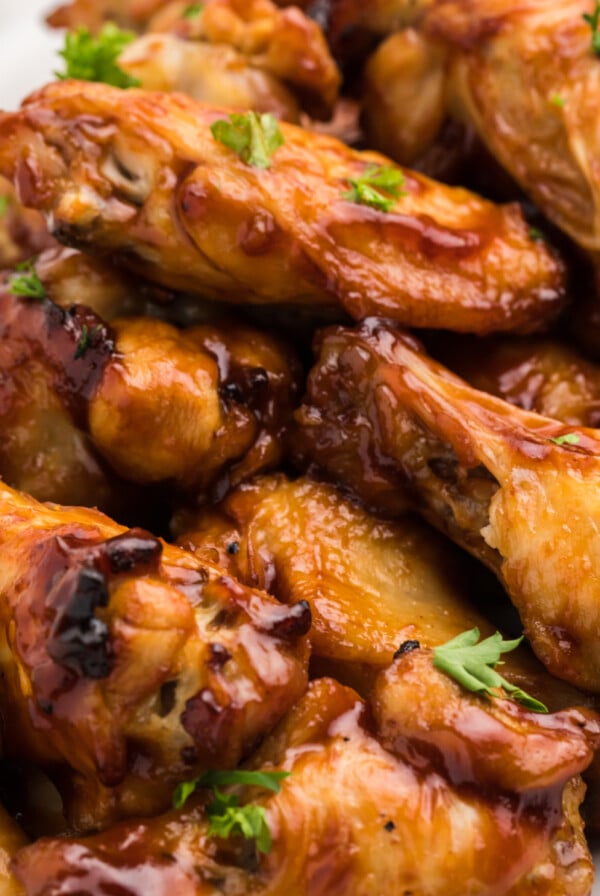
column 133, row 550
column 79, row 641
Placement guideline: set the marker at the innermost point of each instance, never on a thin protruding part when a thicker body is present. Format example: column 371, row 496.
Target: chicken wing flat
column 365, row 812
column 538, row 375
column 140, row 175
column 518, row 490
column 204, row 407
column 371, row 584
column 128, row 665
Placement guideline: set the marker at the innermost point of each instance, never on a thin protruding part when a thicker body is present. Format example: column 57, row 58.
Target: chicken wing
column 371, row 584
column 140, row 175
column 362, row 816
column 202, row 408
column 518, row 490
column 535, row 374
column 128, row 663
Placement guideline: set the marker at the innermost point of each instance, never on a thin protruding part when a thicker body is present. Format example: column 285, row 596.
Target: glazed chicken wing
column 367, row 813
column 371, row 584
column 202, row 408
column 128, row 665
column 518, row 490
column 140, row 175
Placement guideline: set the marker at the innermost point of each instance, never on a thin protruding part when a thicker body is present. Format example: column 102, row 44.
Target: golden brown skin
column 140, row 175
column 535, row 374
column 393, row 425
column 203, row 408
column 129, row 665
column 369, row 812
column 371, row 584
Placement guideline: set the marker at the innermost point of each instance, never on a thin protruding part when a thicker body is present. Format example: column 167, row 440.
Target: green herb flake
column 89, row 58
column 225, row 815
column 535, row 234
column 26, row 284
column 593, row 21
column 254, row 138
column 569, row 438
column 473, row 664
column 86, row 340
column 557, row 100
column 4, row 205
column 192, row 11
column 372, row 186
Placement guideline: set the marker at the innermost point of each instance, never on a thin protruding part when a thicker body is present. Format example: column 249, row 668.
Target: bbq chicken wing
column 369, row 812
column 128, row 665
column 204, row 407
column 140, row 175
column 371, row 584
column 518, row 490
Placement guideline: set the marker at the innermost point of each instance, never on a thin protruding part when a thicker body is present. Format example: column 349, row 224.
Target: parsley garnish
column 91, row 58
column 557, row 100
column 226, row 816
column 535, row 234
column 192, row 11
column 472, row 665
column 4, row 204
column 569, row 438
column 26, row 284
column 373, row 182
column 86, row 340
column 255, row 138
column 593, row 21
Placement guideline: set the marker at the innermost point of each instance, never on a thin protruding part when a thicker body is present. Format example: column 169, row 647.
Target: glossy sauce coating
column 128, row 665
column 139, row 174
column 355, row 817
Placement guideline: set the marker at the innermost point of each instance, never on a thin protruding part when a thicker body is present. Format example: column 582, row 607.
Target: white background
column 27, row 60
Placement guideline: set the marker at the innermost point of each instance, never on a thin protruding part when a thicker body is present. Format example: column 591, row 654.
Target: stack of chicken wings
column 300, row 474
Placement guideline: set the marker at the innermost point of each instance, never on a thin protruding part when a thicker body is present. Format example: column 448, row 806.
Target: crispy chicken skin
column 127, row 664
column 367, row 811
column 371, row 584
column 204, row 407
column 391, row 424
column 140, row 175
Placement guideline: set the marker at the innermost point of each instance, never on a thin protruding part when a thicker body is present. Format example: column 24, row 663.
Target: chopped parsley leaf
column 89, row 58
column 569, row 438
column 376, row 181
column 255, row 138
column 593, row 21
column 26, row 284
column 192, row 11
column 472, row 665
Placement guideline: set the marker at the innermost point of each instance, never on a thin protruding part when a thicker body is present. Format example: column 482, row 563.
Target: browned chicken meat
column 202, row 408
column 518, row 490
column 140, row 175
column 128, row 665
column 369, row 810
